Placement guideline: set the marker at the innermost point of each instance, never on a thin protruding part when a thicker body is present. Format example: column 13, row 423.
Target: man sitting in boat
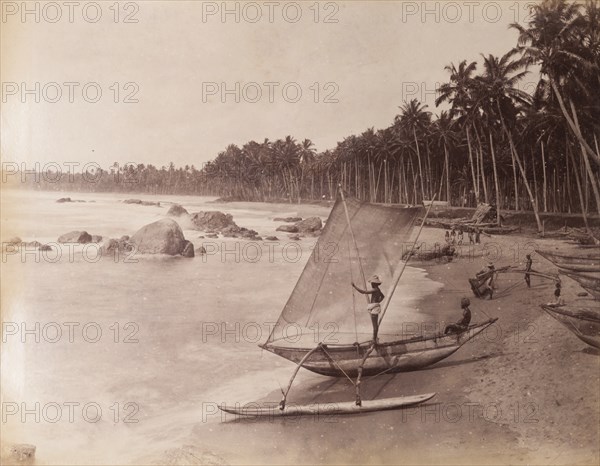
column 374, row 306
column 463, row 324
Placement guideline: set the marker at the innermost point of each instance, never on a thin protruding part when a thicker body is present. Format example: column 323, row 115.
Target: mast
column 397, row 279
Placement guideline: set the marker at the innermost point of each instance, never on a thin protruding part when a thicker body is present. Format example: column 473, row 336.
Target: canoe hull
column 589, row 283
column 396, row 356
column 579, row 263
column 584, row 323
column 316, row 409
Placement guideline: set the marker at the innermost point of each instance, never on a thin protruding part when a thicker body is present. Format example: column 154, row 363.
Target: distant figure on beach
column 374, row 306
column 463, row 324
column 558, row 301
column 528, row 264
column 460, row 236
column 471, row 237
column 447, row 236
column 453, row 236
column 477, row 236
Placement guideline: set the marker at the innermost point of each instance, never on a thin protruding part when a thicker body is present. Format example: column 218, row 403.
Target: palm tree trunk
column 571, row 124
column 475, row 184
column 577, row 180
column 588, row 168
column 545, row 181
column 447, row 166
column 495, row 179
column 420, row 165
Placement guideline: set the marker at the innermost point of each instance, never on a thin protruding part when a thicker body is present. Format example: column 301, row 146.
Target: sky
column 157, row 81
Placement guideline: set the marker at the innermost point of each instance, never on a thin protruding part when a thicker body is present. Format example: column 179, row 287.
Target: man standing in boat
column 374, row 306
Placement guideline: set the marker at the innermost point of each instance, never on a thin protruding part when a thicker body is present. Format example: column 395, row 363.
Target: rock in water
column 161, row 237
column 288, row 228
column 212, row 220
column 271, row 238
column 188, row 249
column 64, row 199
column 201, row 251
column 16, row 241
column 309, row 225
column 96, row 238
column 132, row 201
column 176, row 211
column 287, row 219
column 75, row 237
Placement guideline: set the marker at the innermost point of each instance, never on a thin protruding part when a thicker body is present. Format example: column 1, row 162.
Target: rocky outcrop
column 161, row 237
column 288, row 228
column 188, row 249
column 96, row 238
column 287, row 219
column 68, row 199
column 177, row 211
column 309, row 225
column 271, row 238
column 116, row 246
column 212, row 220
column 140, row 202
column 14, row 241
column 201, row 251
column 75, row 237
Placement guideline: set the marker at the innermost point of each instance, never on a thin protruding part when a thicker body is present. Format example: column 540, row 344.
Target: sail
column 323, row 306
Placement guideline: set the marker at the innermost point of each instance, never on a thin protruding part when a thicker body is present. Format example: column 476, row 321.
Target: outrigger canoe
column 584, row 323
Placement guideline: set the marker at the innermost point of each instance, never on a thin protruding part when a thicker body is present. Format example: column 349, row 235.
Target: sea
column 109, row 359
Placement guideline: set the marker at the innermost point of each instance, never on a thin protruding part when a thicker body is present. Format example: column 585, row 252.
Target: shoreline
column 526, row 392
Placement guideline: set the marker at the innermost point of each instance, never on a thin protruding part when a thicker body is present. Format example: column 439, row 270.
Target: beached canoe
column 316, row 409
column 589, row 283
column 583, row 322
column 589, row 260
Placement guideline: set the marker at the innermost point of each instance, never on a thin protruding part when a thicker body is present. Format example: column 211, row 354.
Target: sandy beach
column 526, row 391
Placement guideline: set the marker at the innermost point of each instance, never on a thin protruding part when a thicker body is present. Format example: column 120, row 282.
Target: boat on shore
column 583, row 322
column 590, row 283
column 589, row 262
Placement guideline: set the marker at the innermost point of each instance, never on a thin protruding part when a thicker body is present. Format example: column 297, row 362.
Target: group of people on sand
column 487, row 276
column 456, row 236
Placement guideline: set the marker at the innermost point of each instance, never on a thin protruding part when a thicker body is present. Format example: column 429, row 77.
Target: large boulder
column 75, row 237
column 288, row 228
column 212, row 220
column 161, row 237
column 188, row 249
column 113, row 246
column 177, row 211
column 64, row 199
column 96, row 238
column 309, row 225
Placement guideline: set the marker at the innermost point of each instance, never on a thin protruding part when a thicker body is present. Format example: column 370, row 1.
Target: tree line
column 497, row 143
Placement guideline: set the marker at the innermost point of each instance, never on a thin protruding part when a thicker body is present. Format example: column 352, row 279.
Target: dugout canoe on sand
column 583, row 322
column 577, row 262
column 590, row 283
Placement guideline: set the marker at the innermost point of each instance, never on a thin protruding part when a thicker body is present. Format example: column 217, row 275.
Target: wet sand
column 526, row 391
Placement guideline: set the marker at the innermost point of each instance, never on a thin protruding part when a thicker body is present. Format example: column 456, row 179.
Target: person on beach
column 463, row 324
column 486, row 277
column 453, row 236
column 557, row 299
column 374, row 306
column 460, row 236
column 447, row 236
column 471, row 237
column 477, row 236
column 528, row 264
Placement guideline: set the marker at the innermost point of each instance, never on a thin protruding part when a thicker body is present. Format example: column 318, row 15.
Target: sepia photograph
column 300, row 232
